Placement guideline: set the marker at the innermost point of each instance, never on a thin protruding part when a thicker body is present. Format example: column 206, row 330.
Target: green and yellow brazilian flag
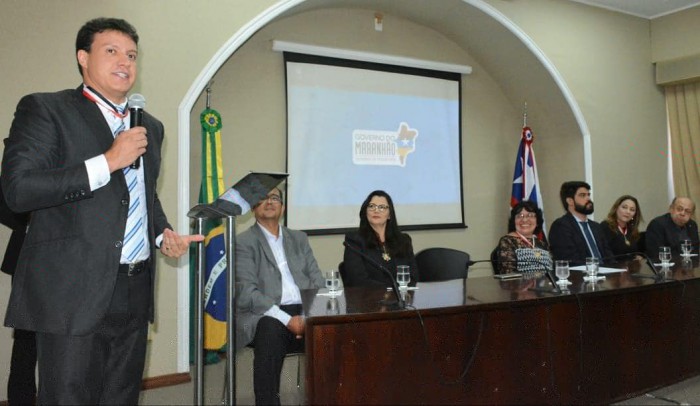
column 215, row 254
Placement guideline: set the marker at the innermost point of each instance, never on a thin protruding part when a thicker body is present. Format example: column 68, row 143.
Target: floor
column 682, row 393
column 183, row 394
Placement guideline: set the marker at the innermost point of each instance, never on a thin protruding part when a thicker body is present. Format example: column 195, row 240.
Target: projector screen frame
column 383, row 67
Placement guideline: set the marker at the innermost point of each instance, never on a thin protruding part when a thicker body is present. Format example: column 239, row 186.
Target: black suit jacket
column 566, row 241
column 662, row 231
column 617, row 242
column 67, row 268
column 17, row 222
column 362, row 272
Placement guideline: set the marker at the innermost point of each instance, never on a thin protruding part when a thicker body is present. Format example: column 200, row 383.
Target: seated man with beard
column 573, row 236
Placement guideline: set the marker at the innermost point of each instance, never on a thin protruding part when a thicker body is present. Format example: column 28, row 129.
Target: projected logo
column 371, row 147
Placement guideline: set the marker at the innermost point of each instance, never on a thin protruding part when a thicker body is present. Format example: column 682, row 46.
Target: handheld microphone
column 136, row 105
column 381, row 267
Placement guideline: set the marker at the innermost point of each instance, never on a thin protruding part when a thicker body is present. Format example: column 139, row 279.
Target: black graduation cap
column 242, row 196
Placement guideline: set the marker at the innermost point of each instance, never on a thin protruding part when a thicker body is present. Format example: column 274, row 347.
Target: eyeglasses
column 377, row 207
column 681, row 210
column 522, row 216
column 273, row 199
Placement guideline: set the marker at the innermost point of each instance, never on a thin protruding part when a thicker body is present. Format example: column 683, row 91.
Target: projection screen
column 354, row 127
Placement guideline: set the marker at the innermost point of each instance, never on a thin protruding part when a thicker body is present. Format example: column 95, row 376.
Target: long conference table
column 487, row 341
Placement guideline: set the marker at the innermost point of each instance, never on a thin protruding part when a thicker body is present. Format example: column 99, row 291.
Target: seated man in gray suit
column 273, row 263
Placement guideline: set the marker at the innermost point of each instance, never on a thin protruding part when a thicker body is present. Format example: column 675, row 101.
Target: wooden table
column 482, row 340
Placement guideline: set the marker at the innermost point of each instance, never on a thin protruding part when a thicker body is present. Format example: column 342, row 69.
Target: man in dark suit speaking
column 573, row 236
column 85, row 275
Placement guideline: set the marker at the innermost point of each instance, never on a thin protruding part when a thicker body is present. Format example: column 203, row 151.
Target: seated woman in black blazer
column 381, row 240
column 621, row 227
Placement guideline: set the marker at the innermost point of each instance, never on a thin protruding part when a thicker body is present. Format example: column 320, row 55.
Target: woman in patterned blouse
column 521, row 250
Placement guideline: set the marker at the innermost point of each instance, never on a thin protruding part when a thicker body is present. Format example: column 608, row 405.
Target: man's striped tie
column 134, row 242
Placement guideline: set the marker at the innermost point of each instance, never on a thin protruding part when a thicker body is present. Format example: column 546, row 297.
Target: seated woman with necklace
column 383, row 243
column 621, row 227
column 520, row 250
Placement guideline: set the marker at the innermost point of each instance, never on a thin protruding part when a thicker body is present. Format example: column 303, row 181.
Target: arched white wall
column 222, row 55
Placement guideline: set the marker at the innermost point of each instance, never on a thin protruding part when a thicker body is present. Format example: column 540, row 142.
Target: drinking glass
column 403, row 276
column 686, row 248
column 332, row 306
column 592, row 268
column 332, row 281
column 665, row 256
column 590, row 286
column 561, row 269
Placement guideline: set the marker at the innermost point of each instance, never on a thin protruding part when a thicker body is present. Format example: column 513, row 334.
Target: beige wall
column 675, row 36
column 675, row 47
column 249, row 92
column 605, row 59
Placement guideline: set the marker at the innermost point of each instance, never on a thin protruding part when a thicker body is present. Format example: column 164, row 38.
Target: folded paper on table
column 660, row 264
column 601, row 270
column 325, row 292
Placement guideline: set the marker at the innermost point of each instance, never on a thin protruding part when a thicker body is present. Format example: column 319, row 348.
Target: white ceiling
column 643, row 8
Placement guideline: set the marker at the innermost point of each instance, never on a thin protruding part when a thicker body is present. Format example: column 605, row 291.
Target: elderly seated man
column 672, row 228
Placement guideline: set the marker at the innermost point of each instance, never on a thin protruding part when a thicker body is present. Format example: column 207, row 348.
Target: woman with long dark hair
column 380, row 238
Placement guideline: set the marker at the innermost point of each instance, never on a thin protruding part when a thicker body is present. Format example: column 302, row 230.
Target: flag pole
column 230, row 238
column 199, row 312
column 209, row 94
column 525, row 114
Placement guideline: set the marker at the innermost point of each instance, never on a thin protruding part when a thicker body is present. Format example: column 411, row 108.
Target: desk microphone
column 547, row 272
column 631, row 255
column 557, row 288
column 541, row 266
column 136, row 105
column 381, row 267
column 657, row 275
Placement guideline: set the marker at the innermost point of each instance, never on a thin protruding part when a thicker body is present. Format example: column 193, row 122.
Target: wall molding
column 162, row 381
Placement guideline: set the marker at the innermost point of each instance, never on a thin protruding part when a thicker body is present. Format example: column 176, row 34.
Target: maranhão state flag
column 526, row 184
